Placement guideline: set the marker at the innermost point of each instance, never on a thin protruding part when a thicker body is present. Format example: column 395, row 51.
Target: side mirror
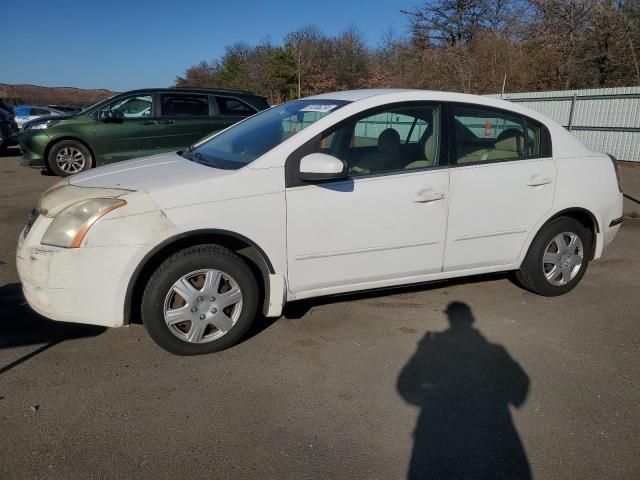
column 319, row 166
column 107, row 116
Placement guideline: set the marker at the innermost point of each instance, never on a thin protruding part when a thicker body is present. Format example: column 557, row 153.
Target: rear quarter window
column 234, row 106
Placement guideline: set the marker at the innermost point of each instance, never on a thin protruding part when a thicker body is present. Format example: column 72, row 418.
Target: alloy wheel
column 70, row 160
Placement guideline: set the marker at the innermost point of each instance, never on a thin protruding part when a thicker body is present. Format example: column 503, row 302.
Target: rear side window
column 233, row 106
column 488, row 135
column 536, row 139
column 36, row 112
column 184, row 105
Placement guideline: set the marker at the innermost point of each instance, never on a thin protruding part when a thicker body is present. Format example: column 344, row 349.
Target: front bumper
column 8, row 134
column 80, row 285
column 33, row 144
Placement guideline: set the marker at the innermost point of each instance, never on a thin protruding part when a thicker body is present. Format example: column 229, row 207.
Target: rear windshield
column 252, row 138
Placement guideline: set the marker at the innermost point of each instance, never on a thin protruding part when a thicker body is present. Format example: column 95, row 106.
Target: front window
column 138, row 106
column 393, row 139
column 248, row 140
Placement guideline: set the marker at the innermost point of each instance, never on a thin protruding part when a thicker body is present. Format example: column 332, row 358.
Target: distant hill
column 37, row 95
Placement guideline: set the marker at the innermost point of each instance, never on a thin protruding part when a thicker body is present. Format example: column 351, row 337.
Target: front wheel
column 68, row 157
column 200, row 300
column 557, row 258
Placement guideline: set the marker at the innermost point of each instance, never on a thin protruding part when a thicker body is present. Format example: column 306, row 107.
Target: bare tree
column 448, row 22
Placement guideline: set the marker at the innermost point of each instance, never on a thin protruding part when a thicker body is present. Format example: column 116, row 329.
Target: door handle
column 428, row 196
column 537, row 180
column 168, row 122
column 149, row 122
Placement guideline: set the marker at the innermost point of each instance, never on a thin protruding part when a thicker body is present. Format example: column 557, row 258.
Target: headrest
column 510, row 140
column 389, row 141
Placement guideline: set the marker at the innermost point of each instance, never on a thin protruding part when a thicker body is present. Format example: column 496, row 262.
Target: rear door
column 185, row 118
column 129, row 129
column 502, row 182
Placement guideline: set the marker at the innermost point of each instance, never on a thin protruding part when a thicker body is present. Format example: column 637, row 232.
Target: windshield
column 248, row 140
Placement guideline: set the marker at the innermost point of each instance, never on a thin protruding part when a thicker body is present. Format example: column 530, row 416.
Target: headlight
column 42, row 126
column 70, row 226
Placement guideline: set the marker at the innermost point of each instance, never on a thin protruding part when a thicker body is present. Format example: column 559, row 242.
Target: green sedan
column 132, row 124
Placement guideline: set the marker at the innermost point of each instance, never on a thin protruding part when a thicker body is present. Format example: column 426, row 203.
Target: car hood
column 46, row 118
column 146, row 174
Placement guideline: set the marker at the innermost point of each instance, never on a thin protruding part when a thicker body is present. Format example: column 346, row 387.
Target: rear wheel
column 557, row 258
column 200, row 300
column 68, row 157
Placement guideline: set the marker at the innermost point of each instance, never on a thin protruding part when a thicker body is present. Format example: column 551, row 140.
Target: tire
column 167, row 314
column 68, row 157
column 560, row 275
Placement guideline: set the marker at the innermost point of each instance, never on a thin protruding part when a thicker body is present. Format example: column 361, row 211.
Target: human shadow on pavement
column 20, row 326
column 464, row 385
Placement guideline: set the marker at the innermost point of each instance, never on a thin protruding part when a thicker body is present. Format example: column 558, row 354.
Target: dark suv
column 8, row 126
column 132, row 124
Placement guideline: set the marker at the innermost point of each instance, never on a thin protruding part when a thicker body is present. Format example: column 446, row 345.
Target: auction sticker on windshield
column 318, row 108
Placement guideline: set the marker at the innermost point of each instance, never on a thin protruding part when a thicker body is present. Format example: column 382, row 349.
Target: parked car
column 6, row 106
column 132, row 124
column 66, row 108
column 330, row 194
column 8, row 129
column 27, row 113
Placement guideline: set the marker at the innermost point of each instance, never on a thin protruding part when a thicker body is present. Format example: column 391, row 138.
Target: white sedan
column 334, row 193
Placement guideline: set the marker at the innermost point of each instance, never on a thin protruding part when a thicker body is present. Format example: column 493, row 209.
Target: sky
column 127, row 44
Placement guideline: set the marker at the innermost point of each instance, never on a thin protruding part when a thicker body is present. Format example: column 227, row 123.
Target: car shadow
column 20, row 326
column 464, row 386
column 13, row 151
column 299, row 308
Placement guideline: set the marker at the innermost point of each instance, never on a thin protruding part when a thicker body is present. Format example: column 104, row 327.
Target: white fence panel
column 605, row 120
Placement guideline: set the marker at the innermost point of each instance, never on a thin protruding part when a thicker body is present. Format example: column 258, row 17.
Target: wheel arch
column 251, row 252
column 582, row 215
column 57, row 140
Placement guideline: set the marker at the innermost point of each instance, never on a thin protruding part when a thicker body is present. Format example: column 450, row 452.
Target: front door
column 502, row 183
column 130, row 129
column 387, row 219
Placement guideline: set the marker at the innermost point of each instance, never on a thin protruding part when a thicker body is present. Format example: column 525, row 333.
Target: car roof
column 210, row 91
column 383, row 95
column 45, row 107
column 355, row 95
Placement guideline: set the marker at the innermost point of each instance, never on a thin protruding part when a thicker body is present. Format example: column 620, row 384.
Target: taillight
column 616, row 167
